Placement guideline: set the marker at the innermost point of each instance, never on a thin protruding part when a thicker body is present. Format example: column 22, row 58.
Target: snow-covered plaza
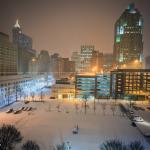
column 51, row 122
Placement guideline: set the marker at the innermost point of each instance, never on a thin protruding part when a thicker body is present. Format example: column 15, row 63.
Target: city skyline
column 71, row 24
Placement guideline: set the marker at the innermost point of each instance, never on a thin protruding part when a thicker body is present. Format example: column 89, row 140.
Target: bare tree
column 103, row 107
column 113, row 108
column 85, row 100
column 76, row 107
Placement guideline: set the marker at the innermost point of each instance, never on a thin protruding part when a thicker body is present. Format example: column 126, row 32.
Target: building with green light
column 93, row 86
column 128, row 39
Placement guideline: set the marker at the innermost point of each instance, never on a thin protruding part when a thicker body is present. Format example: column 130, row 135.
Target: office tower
column 8, row 56
column 76, row 58
column 107, row 62
column 128, row 39
column 147, row 62
column 25, row 51
column 69, row 66
column 85, row 58
column 43, row 61
column 97, row 61
column 33, row 65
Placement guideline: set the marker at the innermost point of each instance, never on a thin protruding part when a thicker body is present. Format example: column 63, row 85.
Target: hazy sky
column 63, row 25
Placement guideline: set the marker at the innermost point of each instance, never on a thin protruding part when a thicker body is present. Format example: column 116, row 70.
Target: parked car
column 21, row 108
column 148, row 107
column 17, row 111
column 133, row 124
column 25, row 108
column 75, row 131
column 29, row 109
column 26, row 102
column 10, row 110
column 137, row 118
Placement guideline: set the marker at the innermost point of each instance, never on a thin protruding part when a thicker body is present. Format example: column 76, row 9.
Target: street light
column 94, row 69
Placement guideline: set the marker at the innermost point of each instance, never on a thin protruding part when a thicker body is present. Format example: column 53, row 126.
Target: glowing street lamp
column 94, row 69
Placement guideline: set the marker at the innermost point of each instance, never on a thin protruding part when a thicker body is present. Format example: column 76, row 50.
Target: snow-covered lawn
column 48, row 126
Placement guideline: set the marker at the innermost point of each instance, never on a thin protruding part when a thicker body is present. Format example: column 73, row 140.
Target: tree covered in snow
column 61, row 147
column 119, row 145
column 9, row 137
column 30, row 145
column 113, row 145
column 136, row 145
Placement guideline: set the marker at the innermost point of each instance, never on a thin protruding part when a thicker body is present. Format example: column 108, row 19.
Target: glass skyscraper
column 128, row 39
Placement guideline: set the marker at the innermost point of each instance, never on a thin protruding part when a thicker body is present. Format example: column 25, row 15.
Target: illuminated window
column 121, row 57
column 121, row 30
column 118, row 39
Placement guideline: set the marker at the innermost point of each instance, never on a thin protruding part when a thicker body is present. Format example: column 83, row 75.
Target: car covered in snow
column 137, row 118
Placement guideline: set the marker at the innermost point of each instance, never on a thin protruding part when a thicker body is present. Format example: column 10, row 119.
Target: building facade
column 76, row 58
column 128, row 39
column 147, row 62
column 85, row 58
column 21, row 87
column 96, row 62
column 130, row 84
column 8, row 56
column 93, row 86
column 43, row 61
column 108, row 62
column 24, row 45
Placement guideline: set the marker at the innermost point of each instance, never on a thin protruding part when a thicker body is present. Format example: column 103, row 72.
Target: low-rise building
column 17, row 87
column 130, row 84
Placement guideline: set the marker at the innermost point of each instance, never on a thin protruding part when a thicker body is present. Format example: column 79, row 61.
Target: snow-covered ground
column 48, row 126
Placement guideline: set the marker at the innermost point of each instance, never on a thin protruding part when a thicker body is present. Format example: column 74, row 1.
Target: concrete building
column 107, row 62
column 85, row 58
column 130, row 84
column 20, row 87
column 92, row 85
column 24, row 45
column 96, row 62
column 69, row 66
column 8, row 56
column 43, row 61
column 76, row 58
column 128, row 39
column 147, row 62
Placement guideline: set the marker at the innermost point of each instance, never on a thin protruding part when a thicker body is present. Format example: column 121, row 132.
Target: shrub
column 30, row 145
column 9, row 136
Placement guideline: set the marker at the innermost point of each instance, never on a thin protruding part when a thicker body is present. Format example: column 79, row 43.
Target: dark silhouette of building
column 25, row 51
column 43, row 61
column 107, row 62
column 96, row 61
column 8, row 56
column 147, row 62
column 128, row 39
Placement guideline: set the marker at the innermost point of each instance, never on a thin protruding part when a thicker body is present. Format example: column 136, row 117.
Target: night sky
column 63, row 25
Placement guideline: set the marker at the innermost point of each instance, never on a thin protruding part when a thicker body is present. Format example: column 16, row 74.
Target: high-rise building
column 97, row 61
column 69, row 66
column 107, row 62
column 25, row 51
column 8, row 56
column 43, row 61
column 147, row 62
column 76, row 58
column 128, row 39
column 85, row 58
